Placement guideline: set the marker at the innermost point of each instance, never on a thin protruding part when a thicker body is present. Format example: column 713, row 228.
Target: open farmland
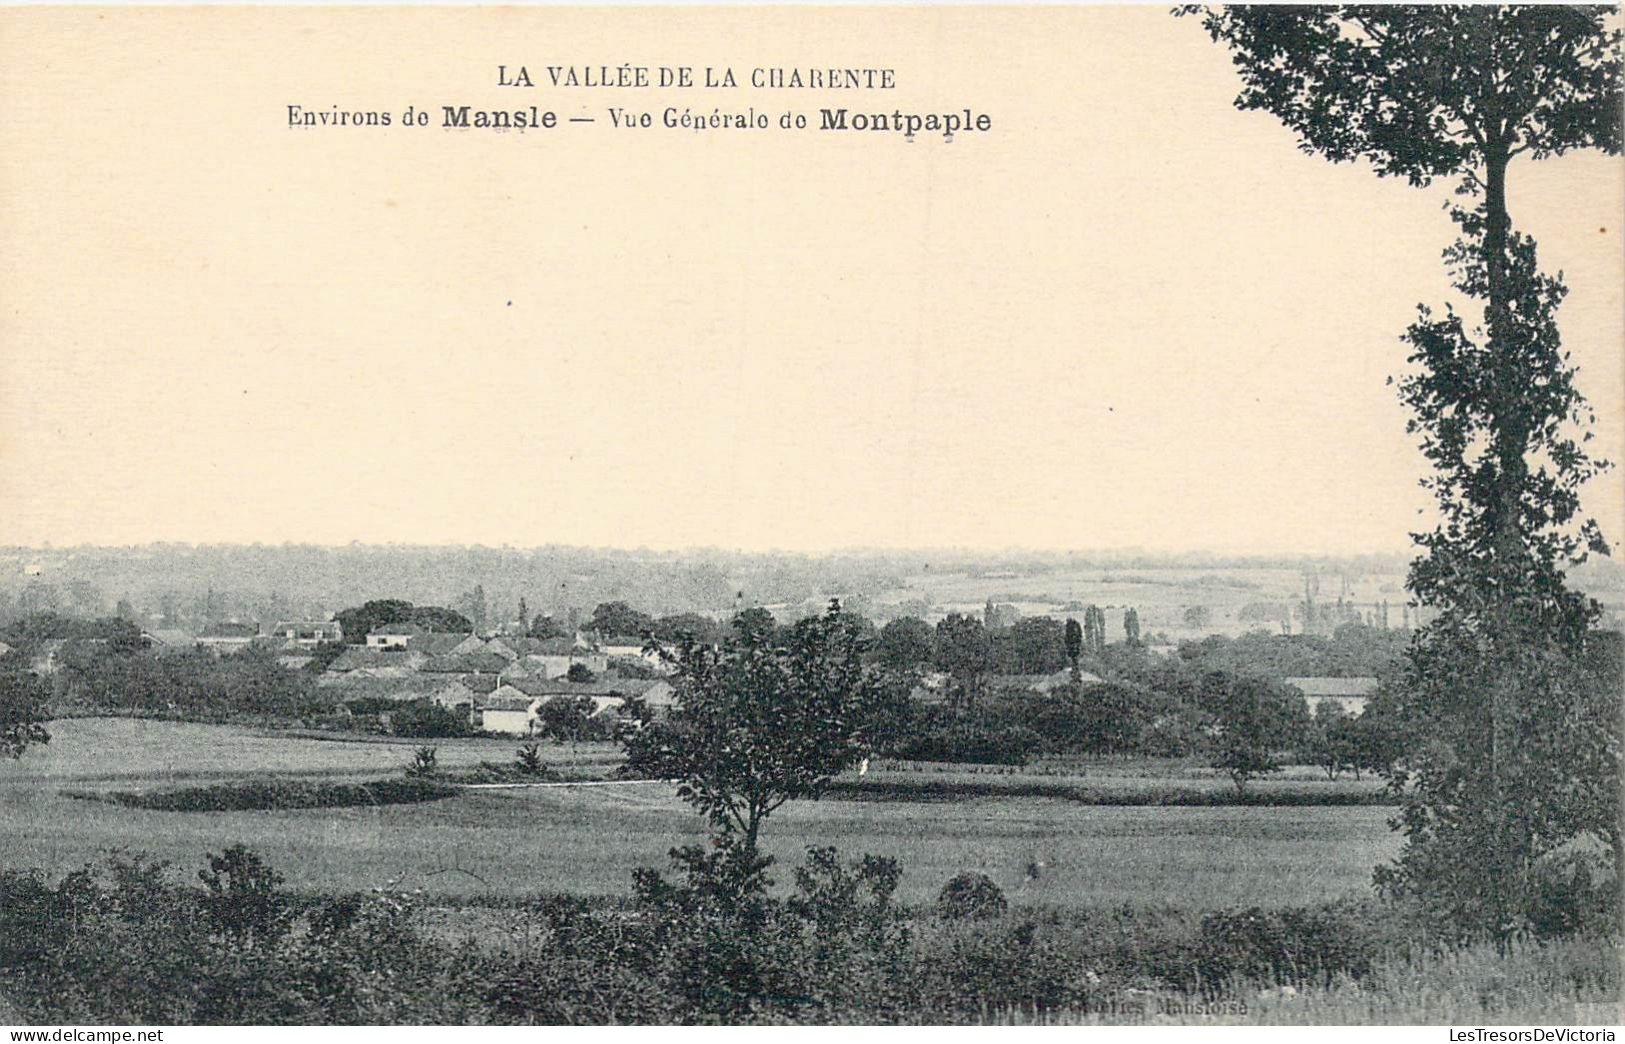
column 587, row 840
column 1160, row 594
column 138, row 752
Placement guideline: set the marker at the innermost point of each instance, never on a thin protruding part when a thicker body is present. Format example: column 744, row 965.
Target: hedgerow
column 267, row 794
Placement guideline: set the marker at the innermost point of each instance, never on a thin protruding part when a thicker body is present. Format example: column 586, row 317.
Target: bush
column 529, row 762
column 243, row 903
column 421, row 719
column 971, row 896
column 1296, row 947
column 424, row 764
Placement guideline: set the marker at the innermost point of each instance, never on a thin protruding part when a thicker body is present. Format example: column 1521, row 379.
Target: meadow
column 1161, row 594
column 587, row 839
column 1118, row 914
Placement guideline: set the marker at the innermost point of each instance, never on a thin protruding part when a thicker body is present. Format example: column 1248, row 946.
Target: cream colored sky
column 1128, row 315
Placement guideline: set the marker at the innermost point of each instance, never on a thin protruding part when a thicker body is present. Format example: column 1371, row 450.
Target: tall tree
column 23, row 712
column 619, row 620
column 473, row 606
column 906, row 643
column 766, row 719
column 1036, row 645
column 966, row 653
column 1460, row 92
column 1253, row 721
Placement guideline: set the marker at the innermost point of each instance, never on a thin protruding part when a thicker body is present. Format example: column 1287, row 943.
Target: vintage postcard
column 981, row 515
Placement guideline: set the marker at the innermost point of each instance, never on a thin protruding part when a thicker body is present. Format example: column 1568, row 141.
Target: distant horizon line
column 854, row 550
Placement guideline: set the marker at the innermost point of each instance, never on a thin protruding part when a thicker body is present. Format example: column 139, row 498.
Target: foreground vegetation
column 129, row 941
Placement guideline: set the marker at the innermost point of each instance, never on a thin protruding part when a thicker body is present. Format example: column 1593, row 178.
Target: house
column 621, row 645
column 394, row 690
column 167, row 641
column 520, row 669
column 626, row 647
column 358, row 662
column 440, row 643
column 606, row 693
column 395, row 635
column 509, row 710
column 1351, row 694
column 504, row 647
column 308, row 634
column 555, row 655
column 228, row 637
column 465, row 693
column 658, row 694
column 518, row 646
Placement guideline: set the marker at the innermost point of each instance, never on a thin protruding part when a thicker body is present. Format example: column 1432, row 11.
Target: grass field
column 587, row 840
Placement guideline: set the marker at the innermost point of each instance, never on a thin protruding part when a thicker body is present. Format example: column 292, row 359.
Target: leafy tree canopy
column 766, row 719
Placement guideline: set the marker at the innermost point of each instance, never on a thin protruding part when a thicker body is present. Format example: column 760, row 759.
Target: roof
column 405, row 690
column 1334, row 686
column 555, row 647
column 547, row 687
column 230, row 629
column 518, row 669
column 623, row 639
column 507, row 703
column 283, row 626
column 403, row 629
column 519, row 644
column 358, row 657
column 466, row 663
column 171, row 636
column 438, row 643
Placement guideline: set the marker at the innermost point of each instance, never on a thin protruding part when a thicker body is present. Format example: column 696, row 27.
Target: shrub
column 424, row 763
column 971, row 896
column 424, row 720
column 529, row 760
column 243, row 903
column 1291, row 946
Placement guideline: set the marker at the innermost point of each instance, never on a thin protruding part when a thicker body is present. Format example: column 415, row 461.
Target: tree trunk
column 1509, row 434
column 1509, row 426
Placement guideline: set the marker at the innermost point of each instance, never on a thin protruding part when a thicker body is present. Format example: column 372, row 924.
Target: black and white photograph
column 791, row 515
